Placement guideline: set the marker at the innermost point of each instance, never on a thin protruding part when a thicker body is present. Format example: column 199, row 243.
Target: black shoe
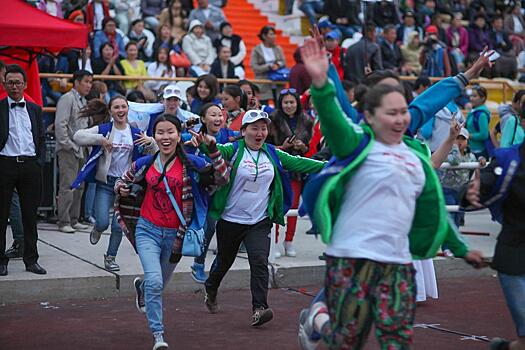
column 36, row 268
column 210, row 299
column 15, row 252
column 261, row 316
column 139, row 297
column 3, row 270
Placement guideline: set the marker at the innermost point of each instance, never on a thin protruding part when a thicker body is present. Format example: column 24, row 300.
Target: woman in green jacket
column 393, row 212
column 257, row 195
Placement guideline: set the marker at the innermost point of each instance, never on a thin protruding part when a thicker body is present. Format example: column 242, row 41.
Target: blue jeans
column 154, row 246
column 104, row 201
column 208, row 235
column 15, row 219
column 89, row 200
column 312, row 8
column 451, row 198
column 514, row 290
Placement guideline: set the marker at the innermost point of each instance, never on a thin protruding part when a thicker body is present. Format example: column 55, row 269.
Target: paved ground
column 473, row 306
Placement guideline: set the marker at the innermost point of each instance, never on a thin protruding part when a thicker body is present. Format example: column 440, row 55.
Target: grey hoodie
column 505, row 111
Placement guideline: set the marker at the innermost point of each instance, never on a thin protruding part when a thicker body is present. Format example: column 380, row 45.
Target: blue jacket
column 101, row 38
column 87, row 172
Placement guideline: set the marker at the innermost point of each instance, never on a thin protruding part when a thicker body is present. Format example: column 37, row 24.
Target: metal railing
column 467, row 166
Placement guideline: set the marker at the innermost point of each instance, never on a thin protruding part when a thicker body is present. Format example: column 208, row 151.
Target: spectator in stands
column 237, row 46
column 358, row 63
column 223, row 67
column 249, row 89
column 125, row 12
column 349, row 88
column 332, row 40
column 426, row 11
column 53, row 88
column 434, row 57
column 344, row 15
column 385, row 13
column 109, row 34
column 478, row 37
column 109, row 64
column 437, row 21
column 390, row 52
column 135, row 67
column 77, row 17
column 506, row 66
column 299, row 78
column 52, row 7
column 478, row 120
column 96, row 12
column 79, row 59
column 161, row 68
column 408, row 26
column 412, row 53
column 164, row 39
column 312, row 9
column 210, row 16
column 206, row 91
column 290, row 131
column 199, row 49
column 266, row 57
column 144, row 39
column 458, row 40
column 71, row 156
column 176, row 18
column 515, row 25
column 150, row 12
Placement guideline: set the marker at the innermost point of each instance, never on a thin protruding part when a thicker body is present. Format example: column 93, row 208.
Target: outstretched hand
column 316, row 61
column 200, row 137
column 483, row 62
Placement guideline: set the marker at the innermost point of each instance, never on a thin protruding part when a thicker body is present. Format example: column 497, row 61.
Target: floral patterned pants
column 361, row 292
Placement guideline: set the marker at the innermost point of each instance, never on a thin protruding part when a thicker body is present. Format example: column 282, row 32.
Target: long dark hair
column 211, row 82
column 96, row 109
column 235, row 91
column 179, row 150
column 280, row 112
column 202, row 114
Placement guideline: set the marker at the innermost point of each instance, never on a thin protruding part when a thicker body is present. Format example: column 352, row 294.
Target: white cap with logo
column 464, row 132
column 172, row 90
column 254, row 115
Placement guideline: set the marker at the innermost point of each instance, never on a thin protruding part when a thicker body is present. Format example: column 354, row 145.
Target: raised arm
column 341, row 134
column 299, row 164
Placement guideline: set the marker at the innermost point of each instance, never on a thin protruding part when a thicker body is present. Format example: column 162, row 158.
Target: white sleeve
column 239, row 57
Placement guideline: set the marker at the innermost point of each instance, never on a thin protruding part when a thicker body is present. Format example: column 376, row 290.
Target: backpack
column 489, row 146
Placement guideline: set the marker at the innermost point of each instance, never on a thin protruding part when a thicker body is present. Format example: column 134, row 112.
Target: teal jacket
column 431, row 226
column 478, row 126
column 512, row 133
column 275, row 204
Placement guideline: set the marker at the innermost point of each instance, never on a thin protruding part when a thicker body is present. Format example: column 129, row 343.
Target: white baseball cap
column 464, row 132
column 254, row 115
column 172, row 90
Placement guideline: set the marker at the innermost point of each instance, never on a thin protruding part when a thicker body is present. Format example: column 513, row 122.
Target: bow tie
column 18, row 104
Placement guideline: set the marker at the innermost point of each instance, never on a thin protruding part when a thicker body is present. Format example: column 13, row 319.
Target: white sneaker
column 277, row 253
column 66, row 229
column 289, row 249
column 79, row 226
column 158, row 342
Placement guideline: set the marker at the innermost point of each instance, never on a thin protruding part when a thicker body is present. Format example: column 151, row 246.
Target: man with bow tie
column 22, row 155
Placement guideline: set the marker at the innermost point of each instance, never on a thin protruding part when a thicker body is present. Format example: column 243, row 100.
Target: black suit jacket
column 392, row 58
column 216, row 70
column 37, row 128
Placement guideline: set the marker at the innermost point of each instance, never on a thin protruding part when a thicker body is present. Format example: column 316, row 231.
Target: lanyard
column 256, row 161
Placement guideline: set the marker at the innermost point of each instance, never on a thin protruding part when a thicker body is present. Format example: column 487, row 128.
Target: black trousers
column 256, row 238
column 26, row 177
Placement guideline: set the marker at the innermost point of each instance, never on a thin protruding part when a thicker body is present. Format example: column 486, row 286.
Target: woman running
column 115, row 146
column 394, row 210
column 159, row 232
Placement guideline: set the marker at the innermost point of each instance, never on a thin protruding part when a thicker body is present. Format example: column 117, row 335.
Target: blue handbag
column 281, row 74
column 193, row 243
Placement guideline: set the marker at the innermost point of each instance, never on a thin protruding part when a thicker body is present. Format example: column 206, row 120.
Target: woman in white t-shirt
column 115, row 146
column 385, row 185
column 161, row 68
column 258, row 194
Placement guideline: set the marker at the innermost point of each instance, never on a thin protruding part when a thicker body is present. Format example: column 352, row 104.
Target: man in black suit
column 22, row 154
column 390, row 51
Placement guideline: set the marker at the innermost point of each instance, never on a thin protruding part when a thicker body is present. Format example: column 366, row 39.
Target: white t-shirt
column 269, row 54
column 248, row 200
column 121, row 152
column 378, row 207
column 99, row 15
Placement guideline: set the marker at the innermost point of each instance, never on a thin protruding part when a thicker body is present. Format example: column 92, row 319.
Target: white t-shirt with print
column 248, row 200
column 121, row 152
column 378, row 207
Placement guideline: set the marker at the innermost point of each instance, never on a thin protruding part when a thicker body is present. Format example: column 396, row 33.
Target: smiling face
column 476, row 99
column 203, row 90
column 269, row 38
column 255, row 134
column 167, row 137
column 225, row 54
column 462, row 143
column 289, row 105
column 229, row 102
column 162, row 56
column 390, row 119
column 119, row 110
column 171, row 105
column 132, row 52
column 213, row 120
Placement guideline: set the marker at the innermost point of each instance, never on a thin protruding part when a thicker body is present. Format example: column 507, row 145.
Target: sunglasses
column 286, row 91
column 255, row 114
column 171, row 91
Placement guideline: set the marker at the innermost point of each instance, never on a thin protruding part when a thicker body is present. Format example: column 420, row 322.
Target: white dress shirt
column 20, row 139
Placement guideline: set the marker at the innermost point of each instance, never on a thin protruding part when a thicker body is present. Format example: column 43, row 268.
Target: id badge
column 251, row 186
